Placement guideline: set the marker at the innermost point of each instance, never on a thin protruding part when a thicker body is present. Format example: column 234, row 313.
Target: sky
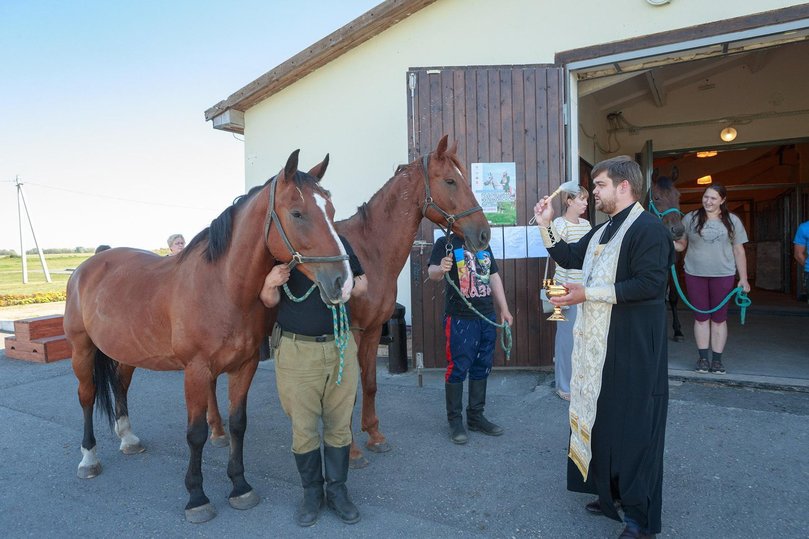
column 104, row 106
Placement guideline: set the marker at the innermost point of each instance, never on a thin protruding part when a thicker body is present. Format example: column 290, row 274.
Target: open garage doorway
column 736, row 111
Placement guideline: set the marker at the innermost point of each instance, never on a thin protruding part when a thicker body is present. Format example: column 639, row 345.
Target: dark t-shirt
column 311, row 316
column 473, row 283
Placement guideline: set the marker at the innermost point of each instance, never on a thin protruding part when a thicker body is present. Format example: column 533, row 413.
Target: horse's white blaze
column 348, row 284
column 124, row 431
column 88, row 458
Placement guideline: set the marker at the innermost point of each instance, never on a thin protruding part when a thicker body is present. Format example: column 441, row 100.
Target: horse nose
column 677, row 231
column 484, row 237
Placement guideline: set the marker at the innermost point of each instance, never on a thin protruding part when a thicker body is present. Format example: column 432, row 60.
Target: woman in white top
column 571, row 227
column 715, row 240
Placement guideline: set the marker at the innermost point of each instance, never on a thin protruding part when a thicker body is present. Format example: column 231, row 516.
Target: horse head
column 450, row 202
column 304, row 232
column 665, row 202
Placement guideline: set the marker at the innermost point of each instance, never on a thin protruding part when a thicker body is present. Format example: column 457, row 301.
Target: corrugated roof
column 358, row 31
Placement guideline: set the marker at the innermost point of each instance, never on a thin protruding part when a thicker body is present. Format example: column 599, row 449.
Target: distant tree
column 9, row 252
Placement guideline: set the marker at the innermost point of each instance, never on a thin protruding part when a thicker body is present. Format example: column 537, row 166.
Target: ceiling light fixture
column 707, row 153
column 728, row 134
column 705, row 180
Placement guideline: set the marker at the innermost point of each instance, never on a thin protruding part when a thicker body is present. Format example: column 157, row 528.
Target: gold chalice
column 554, row 291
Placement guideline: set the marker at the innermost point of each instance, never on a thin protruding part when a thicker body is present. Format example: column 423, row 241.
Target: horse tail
column 108, row 386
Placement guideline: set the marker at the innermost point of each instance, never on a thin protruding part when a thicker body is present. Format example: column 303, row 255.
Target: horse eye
column 450, row 181
column 296, row 214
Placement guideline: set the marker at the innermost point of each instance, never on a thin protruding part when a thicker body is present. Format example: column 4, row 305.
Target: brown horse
column 382, row 233
column 199, row 312
column 665, row 203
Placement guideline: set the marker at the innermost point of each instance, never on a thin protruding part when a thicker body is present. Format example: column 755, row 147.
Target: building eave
column 366, row 26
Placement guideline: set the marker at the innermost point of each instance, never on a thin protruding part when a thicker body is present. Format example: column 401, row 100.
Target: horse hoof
column 203, row 513
column 220, row 441
column 382, row 447
column 247, row 500
column 358, row 463
column 133, row 449
column 88, row 472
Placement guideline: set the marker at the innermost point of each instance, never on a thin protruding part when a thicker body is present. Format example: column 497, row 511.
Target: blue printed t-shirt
column 802, row 238
column 473, row 283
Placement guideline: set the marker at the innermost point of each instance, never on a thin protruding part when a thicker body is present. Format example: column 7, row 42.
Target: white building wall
column 355, row 108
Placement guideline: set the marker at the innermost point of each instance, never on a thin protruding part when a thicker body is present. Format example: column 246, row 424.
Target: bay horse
column 382, row 232
column 198, row 312
column 664, row 201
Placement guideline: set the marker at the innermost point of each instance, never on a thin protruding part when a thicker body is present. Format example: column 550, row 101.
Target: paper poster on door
column 495, row 187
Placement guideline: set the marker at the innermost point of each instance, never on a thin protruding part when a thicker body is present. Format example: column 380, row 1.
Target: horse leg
column 82, row 361
column 370, row 422
column 674, row 299
column 242, row 496
column 218, row 436
column 130, row 444
column 197, row 385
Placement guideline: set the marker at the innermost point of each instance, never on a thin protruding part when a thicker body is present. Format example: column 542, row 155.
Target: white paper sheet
column 536, row 249
column 496, row 242
column 514, row 241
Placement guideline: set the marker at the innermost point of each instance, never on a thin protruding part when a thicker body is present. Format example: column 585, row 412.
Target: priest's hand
column 575, row 295
column 543, row 212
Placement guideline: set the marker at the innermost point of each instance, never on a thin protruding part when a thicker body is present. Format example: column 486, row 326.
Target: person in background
column 470, row 339
column 313, row 389
column 715, row 241
column 102, row 247
column 571, row 229
column 176, row 244
column 619, row 387
column 799, row 249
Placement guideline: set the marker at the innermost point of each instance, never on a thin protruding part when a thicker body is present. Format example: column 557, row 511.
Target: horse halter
column 658, row 213
column 430, row 203
column 297, row 258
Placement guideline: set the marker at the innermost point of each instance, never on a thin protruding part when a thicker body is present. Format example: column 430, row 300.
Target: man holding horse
column 317, row 373
column 619, row 385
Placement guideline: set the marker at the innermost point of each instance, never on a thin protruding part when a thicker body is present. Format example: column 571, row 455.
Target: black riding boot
column 474, row 412
column 336, row 459
column 310, row 466
column 454, row 393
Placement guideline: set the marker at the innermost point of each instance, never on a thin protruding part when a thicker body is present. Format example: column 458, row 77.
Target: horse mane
column 363, row 213
column 215, row 239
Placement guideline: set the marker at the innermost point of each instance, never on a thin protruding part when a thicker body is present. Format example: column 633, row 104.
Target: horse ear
column 675, row 173
column 320, row 169
column 292, row 165
column 454, row 148
column 442, row 147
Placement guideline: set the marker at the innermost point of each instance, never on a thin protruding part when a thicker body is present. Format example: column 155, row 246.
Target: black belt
column 307, row 338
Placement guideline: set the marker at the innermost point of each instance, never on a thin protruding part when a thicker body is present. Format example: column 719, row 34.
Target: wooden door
column 497, row 114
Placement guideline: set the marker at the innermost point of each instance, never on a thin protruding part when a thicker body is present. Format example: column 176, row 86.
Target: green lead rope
column 505, row 337
column 339, row 317
column 742, row 301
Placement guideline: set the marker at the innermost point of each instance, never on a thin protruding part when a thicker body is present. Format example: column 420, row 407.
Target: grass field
column 58, row 265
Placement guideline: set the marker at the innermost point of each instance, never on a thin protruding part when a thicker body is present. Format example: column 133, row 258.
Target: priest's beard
column 606, row 205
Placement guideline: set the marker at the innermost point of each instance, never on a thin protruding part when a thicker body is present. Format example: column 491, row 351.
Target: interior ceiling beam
column 591, row 86
column 656, row 89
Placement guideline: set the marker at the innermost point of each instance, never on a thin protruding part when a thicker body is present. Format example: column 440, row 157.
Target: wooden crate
column 31, row 329
column 45, row 350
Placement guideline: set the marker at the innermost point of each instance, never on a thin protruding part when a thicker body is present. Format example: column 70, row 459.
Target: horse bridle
column 430, row 203
column 297, row 258
column 658, row 213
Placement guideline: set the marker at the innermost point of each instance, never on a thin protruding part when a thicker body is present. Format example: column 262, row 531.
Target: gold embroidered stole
column 590, row 339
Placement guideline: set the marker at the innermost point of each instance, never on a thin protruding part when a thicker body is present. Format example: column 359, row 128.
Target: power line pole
column 20, row 205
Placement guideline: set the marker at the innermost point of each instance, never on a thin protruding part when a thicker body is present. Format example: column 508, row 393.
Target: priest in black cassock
column 619, row 386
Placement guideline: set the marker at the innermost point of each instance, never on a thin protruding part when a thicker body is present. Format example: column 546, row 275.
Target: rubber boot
column 310, row 467
column 454, row 393
column 475, row 419
column 336, row 460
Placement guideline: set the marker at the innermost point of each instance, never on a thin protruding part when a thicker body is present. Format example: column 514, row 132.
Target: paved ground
column 736, row 464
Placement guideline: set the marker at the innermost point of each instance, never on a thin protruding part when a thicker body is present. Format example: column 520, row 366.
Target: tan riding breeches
column 306, row 375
